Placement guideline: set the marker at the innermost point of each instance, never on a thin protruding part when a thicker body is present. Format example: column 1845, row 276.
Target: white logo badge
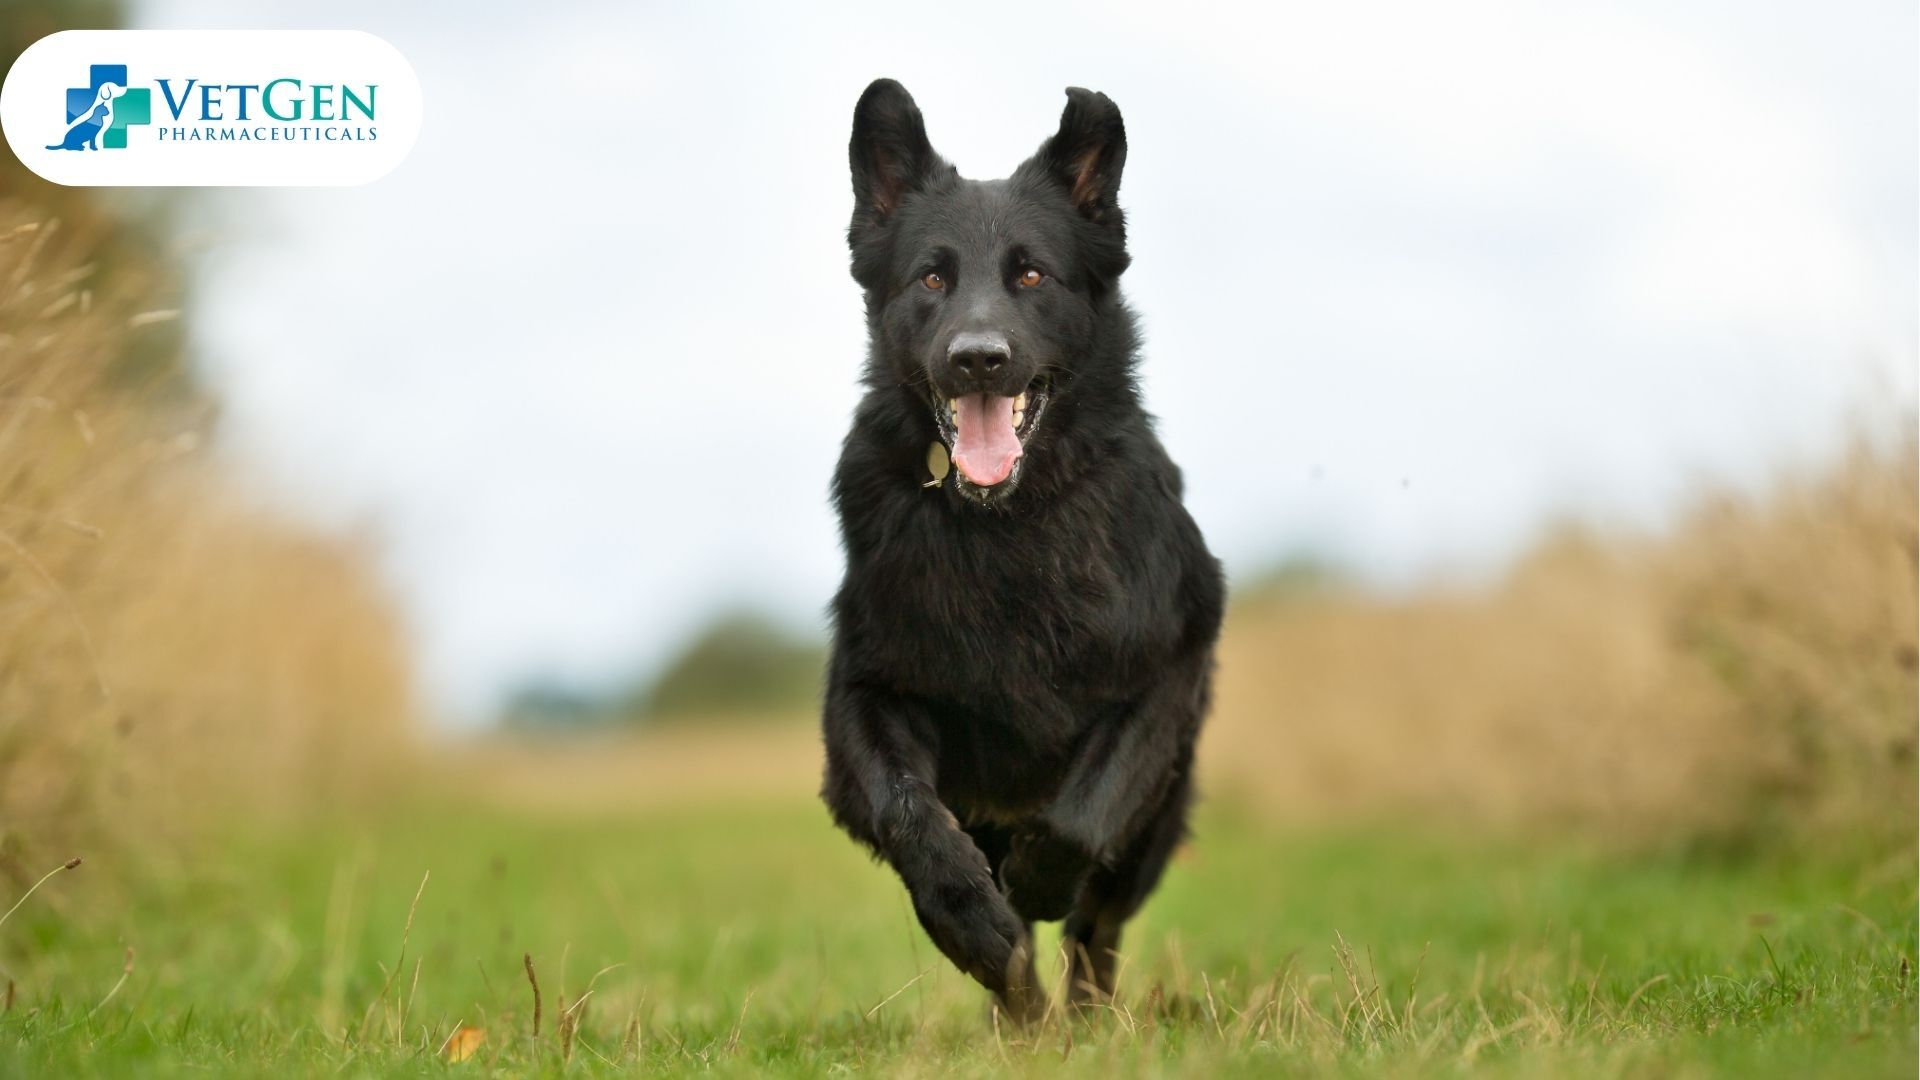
column 196, row 108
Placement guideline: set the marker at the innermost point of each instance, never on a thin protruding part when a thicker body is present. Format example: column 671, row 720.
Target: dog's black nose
column 975, row 354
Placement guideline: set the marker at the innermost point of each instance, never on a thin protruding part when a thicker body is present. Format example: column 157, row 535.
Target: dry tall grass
column 1751, row 672
column 165, row 650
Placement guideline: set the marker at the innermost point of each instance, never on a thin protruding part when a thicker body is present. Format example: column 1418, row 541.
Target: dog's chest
column 996, row 610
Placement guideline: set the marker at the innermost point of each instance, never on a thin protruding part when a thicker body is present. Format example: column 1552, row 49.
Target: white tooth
column 953, row 404
column 1018, row 416
column 1020, row 403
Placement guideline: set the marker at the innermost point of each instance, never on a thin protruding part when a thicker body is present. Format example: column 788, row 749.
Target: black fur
column 1019, row 672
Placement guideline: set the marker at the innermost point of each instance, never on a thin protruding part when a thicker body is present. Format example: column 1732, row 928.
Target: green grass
column 753, row 938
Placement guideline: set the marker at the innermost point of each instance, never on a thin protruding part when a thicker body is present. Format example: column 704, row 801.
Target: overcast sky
column 1416, row 280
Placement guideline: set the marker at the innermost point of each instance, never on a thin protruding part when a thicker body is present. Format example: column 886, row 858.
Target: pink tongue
column 984, row 445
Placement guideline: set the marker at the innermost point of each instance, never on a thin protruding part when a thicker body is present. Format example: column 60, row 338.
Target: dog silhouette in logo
column 84, row 132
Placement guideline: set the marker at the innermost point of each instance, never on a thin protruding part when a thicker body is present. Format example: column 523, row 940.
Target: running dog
column 1023, row 640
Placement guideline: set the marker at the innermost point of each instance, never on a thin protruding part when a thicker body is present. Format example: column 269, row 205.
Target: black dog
column 1021, row 649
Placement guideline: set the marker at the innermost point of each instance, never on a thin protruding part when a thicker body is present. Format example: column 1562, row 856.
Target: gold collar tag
column 936, row 463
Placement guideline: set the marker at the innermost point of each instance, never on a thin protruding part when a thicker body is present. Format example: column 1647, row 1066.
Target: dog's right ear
column 889, row 153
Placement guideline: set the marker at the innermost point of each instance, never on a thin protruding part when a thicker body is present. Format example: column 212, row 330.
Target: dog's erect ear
column 889, row 153
column 1085, row 156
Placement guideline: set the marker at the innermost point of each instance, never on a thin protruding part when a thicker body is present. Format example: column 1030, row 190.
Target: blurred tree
column 1297, row 577
column 743, row 665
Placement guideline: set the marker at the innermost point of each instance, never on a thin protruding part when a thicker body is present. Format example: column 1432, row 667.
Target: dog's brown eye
column 1031, row 277
column 934, row 282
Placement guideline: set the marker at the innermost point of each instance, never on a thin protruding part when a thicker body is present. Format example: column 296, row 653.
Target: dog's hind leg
column 1116, row 891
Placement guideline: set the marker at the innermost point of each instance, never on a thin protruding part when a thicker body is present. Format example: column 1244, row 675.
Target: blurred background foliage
column 168, row 652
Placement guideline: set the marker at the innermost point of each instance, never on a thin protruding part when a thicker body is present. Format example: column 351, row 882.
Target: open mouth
column 987, row 433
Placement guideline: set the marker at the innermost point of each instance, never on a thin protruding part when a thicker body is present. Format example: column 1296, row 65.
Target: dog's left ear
column 1085, row 156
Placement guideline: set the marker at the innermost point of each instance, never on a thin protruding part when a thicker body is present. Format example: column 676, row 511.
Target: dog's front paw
column 1043, row 874
column 971, row 923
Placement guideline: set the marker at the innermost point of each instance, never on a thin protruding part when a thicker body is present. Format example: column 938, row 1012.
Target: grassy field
column 745, row 936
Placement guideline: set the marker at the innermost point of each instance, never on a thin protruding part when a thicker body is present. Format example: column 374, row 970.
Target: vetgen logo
column 211, row 108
